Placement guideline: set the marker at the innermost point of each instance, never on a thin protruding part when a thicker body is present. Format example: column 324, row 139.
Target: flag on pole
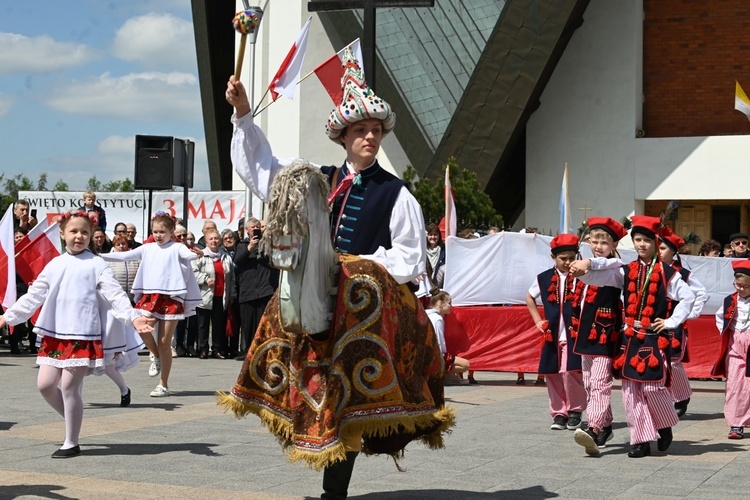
column 35, row 253
column 287, row 77
column 448, row 226
column 741, row 102
column 330, row 72
column 7, row 261
column 565, row 204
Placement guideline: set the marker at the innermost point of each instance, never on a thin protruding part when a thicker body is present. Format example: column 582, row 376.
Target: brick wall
column 693, row 51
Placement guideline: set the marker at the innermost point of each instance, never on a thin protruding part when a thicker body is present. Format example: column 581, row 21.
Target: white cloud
column 156, row 41
column 6, row 103
column 139, row 97
column 117, row 144
column 42, row 54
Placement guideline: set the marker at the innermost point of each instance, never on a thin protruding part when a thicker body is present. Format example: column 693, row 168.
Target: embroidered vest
column 363, row 224
column 599, row 322
column 679, row 334
column 549, row 361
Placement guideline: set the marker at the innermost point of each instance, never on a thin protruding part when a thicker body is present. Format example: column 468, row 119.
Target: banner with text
column 223, row 207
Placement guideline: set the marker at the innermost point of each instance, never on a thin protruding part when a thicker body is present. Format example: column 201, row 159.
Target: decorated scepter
column 246, row 23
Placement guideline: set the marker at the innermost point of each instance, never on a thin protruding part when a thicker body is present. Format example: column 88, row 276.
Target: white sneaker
column 174, row 352
column 160, row 392
column 155, row 367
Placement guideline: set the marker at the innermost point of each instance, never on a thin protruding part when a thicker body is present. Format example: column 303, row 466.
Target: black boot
column 336, row 478
column 681, row 407
column 665, row 439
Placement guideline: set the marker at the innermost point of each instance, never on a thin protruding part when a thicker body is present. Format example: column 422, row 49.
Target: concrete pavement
column 183, row 446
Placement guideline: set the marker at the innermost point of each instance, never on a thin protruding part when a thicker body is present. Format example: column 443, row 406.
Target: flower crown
column 161, row 215
column 78, row 213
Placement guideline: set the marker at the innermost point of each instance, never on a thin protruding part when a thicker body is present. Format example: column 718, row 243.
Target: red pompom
column 603, row 338
column 552, row 298
column 641, row 367
column 648, row 312
column 654, row 278
column 675, row 343
column 618, row 362
column 651, row 300
column 633, row 272
column 663, row 343
column 653, row 288
column 645, row 322
column 632, row 298
column 630, row 321
column 634, row 361
column 629, row 331
column 631, row 287
column 641, row 336
column 653, row 361
column 631, row 310
column 592, row 334
column 552, row 289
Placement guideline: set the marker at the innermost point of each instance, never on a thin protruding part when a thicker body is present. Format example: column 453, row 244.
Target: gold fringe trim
column 283, row 430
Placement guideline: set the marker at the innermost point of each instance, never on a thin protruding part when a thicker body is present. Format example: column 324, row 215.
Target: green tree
column 61, row 185
column 93, row 184
column 12, row 185
column 127, row 186
column 474, row 207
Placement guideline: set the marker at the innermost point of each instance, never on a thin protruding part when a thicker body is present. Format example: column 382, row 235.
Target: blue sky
column 80, row 78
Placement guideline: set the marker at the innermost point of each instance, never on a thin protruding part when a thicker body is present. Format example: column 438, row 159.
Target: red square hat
column 741, row 266
column 564, row 243
column 672, row 240
column 609, row 225
column 645, row 225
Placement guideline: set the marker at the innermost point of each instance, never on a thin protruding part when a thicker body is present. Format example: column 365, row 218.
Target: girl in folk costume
column 597, row 320
column 680, row 388
column 562, row 367
column 164, row 288
column 733, row 321
column 68, row 290
column 644, row 353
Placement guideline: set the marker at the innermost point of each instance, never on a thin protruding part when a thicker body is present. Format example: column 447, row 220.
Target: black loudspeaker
column 182, row 174
column 153, row 162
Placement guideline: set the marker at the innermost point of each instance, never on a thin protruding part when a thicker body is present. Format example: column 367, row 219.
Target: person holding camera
column 256, row 283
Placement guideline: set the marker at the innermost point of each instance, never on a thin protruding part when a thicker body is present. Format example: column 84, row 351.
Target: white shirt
column 438, row 324
column 741, row 317
column 165, row 270
column 66, row 289
column 610, row 272
column 256, row 165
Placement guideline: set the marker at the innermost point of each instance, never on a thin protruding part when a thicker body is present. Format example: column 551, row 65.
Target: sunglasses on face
column 740, row 243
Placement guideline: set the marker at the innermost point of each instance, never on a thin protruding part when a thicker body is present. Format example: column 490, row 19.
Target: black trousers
column 250, row 314
column 214, row 319
column 186, row 334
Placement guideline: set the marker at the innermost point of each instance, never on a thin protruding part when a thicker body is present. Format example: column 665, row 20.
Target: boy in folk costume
column 374, row 216
column 644, row 358
column 680, row 388
column 597, row 320
column 733, row 321
column 558, row 362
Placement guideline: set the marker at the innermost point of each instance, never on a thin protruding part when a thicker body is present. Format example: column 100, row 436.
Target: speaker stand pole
column 150, row 202
column 185, row 205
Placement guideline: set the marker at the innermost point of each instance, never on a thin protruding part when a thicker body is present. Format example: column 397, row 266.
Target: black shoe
column 203, row 355
column 559, row 423
column 15, row 350
column 574, row 420
column 218, row 355
column 665, row 439
column 520, row 381
column 473, row 381
column 125, row 400
column 587, row 439
column 240, row 357
column 336, row 478
column 681, row 407
column 181, row 352
column 605, row 434
column 539, row 381
column 640, row 450
column 70, row 452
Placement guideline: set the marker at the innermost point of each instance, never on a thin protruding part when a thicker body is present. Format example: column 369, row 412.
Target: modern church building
column 636, row 96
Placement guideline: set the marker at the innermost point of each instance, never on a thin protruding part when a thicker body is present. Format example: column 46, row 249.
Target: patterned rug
column 379, row 374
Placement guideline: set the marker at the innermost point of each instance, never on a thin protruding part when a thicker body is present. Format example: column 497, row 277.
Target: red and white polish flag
column 449, row 225
column 287, row 77
column 7, row 261
column 36, row 249
column 331, row 70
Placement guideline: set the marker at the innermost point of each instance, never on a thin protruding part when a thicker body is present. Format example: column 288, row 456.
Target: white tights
column 117, row 378
column 62, row 389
